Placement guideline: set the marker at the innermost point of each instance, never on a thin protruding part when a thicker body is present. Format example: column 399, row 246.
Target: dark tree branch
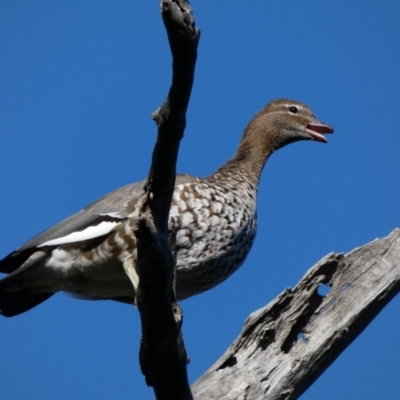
column 163, row 357
column 285, row 346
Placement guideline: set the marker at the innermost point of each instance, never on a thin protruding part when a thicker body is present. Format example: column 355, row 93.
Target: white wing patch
column 112, row 214
column 89, row 233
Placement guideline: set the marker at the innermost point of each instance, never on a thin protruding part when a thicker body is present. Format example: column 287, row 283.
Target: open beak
column 315, row 130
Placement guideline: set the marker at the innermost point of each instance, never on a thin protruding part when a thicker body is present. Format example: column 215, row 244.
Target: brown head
column 280, row 123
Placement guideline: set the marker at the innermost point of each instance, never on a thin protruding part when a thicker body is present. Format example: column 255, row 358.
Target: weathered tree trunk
column 285, row 346
column 162, row 352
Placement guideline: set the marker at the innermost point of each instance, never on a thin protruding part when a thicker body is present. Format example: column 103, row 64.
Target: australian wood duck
column 90, row 254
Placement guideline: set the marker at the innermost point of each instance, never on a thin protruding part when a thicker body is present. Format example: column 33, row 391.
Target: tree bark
column 162, row 355
column 285, row 346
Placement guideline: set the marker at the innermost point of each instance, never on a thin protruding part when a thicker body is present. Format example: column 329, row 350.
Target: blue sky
column 79, row 81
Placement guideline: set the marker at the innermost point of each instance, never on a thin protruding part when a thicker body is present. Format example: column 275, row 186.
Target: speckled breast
column 215, row 229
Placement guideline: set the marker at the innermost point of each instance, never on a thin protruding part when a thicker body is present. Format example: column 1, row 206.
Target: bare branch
column 285, row 346
column 162, row 353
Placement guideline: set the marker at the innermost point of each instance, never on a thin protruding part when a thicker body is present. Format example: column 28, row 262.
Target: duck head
column 280, row 123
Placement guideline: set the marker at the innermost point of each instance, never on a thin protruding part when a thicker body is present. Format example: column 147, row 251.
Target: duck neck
column 245, row 167
column 251, row 156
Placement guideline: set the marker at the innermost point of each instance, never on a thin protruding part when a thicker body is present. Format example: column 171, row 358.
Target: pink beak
column 316, row 129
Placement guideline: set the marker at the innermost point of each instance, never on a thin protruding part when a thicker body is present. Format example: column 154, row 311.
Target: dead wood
column 162, row 352
column 285, row 346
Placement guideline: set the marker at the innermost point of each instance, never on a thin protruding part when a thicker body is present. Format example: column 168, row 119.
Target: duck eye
column 293, row 109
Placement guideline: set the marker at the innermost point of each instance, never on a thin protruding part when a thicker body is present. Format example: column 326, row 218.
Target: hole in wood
column 323, row 289
column 302, row 338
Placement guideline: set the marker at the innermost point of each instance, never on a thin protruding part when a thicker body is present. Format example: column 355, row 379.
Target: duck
column 91, row 255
